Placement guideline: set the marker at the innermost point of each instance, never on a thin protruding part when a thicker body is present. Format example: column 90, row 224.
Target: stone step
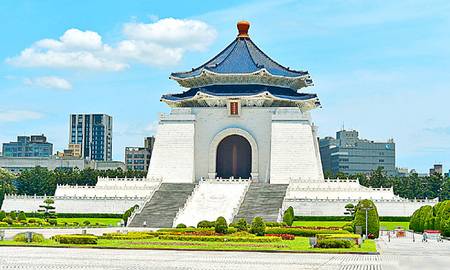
column 262, row 200
column 160, row 211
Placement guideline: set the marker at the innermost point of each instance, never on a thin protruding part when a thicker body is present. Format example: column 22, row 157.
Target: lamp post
column 367, row 210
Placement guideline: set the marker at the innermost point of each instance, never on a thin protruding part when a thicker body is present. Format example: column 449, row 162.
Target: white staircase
column 212, row 199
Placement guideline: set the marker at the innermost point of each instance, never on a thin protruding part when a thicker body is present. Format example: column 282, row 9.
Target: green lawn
column 389, row 225
column 299, row 244
column 105, row 221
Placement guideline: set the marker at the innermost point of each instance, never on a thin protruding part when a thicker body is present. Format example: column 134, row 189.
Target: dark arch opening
column 234, row 157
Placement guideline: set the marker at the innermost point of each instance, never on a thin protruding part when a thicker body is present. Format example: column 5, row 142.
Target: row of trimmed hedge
column 301, row 231
column 435, row 217
column 220, row 238
column 334, row 243
column 78, row 239
column 346, row 218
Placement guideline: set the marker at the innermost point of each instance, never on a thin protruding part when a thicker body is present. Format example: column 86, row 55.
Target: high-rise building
column 138, row 158
column 437, row 169
column 94, row 133
column 28, row 146
column 349, row 154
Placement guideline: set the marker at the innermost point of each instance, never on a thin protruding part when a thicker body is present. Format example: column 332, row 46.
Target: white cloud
column 173, row 33
column 18, row 116
column 49, row 82
column 161, row 43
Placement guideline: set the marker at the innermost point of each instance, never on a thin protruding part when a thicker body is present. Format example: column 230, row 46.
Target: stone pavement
column 61, row 258
column 403, row 253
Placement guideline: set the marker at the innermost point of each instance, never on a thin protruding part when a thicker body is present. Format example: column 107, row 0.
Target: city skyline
column 382, row 93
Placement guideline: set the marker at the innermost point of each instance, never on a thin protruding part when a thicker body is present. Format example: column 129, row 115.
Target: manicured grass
column 389, row 225
column 105, row 221
column 299, row 244
column 320, row 223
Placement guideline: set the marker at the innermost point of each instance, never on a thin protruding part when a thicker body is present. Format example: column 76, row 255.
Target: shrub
column 86, row 223
column 2, row 215
column 186, row 230
column 276, row 224
column 243, row 234
column 301, row 231
column 21, row 216
column 206, row 224
column 288, row 216
column 348, row 227
column 258, row 226
column 323, row 218
column 130, row 235
column 13, row 215
column 231, row 230
column 22, row 237
column 181, row 225
column 75, row 224
column 283, row 236
column 78, row 239
column 3, row 224
column 221, row 225
column 8, row 220
column 241, row 225
column 333, row 243
column 52, row 221
column 31, row 221
column 218, row 238
column 373, row 225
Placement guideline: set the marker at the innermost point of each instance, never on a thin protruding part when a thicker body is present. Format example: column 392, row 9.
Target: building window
column 381, row 160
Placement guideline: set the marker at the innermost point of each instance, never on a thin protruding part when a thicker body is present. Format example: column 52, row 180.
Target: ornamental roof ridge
column 241, row 57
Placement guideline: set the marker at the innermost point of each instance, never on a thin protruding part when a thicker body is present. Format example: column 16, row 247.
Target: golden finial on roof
column 243, row 27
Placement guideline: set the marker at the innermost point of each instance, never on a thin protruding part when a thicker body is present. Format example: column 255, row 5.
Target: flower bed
column 263, row 239
column 283, row 236
column 301, row 231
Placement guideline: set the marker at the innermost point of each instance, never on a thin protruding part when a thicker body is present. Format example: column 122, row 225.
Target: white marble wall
column 305, row 207
column 293, row 153
column 173, row 152
column 211, row 121
column 114, row 205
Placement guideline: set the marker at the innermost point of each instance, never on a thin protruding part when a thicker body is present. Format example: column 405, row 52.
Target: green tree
column 258, row 226
column 22, row 216
column 38, row 180
column 288, row 216
column 13, row 215
column 221, row 225
column 48, row 210
column 373, row 220
column 242, row 225
column 2, row 215
column 350, row 209
column 6, row 184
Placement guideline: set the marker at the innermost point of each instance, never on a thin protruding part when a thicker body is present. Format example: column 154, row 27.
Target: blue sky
column 381, row 67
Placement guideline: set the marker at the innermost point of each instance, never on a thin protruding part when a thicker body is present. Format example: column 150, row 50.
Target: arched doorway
column 234, row 157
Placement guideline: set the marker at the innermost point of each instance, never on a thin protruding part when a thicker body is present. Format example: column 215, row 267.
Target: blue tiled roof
column 240, row 90
column 241, row 56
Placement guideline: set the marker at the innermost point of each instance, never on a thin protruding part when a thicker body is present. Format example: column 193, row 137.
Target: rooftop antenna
column 343, row 126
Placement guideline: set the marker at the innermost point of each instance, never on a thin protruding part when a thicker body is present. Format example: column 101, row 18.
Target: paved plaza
column 58, row 258
column 398, row 253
